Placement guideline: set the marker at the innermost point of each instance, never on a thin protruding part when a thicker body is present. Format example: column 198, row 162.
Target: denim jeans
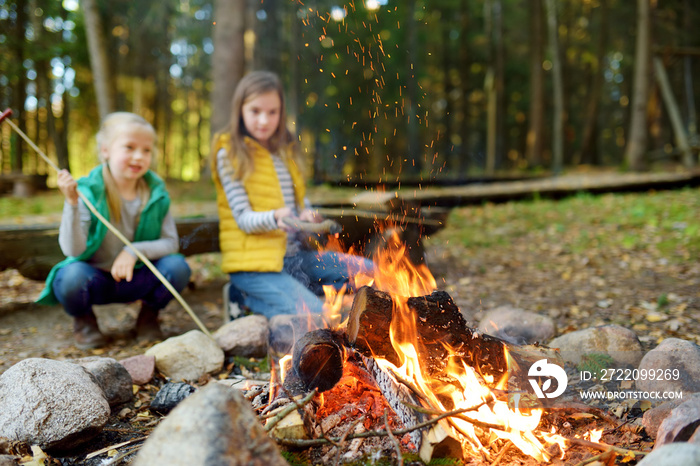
column 78, row 286
column 297, row 289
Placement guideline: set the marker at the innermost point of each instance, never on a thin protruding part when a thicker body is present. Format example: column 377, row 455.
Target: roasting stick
column 111, row 227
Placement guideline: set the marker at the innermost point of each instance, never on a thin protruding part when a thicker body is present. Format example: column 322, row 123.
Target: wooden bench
column 22, row 185
column 33, row 249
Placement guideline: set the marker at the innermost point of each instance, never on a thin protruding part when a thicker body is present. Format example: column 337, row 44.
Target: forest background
column 379, row 90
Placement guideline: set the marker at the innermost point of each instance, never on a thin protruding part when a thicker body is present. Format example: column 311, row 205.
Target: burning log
column 318, row 359
column 449, row 367
column 439, row 326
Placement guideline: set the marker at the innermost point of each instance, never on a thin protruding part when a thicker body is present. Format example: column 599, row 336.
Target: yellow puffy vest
column 259, row 252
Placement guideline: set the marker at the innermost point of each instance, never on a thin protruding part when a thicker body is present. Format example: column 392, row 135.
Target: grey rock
column 54, row 404
column 187, row 357
column 673, row 454
column 9, row 460
column 517, row 326
column 245, row 336
column 672, row 353
column 653, row 417
column 618, row 342
column 140, row 367
column 114, row 379
column 214, row 426
column 681, row 423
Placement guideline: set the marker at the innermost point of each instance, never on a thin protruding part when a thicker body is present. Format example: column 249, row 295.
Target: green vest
column 148, row 229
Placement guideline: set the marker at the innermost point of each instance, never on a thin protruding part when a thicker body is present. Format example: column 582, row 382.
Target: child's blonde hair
column 108, row 131
column 250, row 86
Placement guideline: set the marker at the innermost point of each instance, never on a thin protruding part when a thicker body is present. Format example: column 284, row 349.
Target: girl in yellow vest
column 258, row 182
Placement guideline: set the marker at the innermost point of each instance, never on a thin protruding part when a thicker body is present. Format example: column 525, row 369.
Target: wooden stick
column 394, row 441
column 500, row 454
column 374, row 433
column 114, row 230
column 604, row 447
column 114, row 447
column 288, row 409
column 342, row 439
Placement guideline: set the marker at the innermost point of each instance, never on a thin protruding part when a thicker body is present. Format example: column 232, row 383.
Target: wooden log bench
column 21, row 184
column 34, row 249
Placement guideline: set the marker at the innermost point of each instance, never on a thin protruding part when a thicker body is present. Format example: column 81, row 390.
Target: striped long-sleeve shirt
column 248, row 220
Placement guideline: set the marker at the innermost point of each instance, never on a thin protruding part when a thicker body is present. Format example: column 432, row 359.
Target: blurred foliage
column 379, row 90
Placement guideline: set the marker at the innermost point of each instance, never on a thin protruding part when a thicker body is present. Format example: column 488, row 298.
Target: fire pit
column 403, row 373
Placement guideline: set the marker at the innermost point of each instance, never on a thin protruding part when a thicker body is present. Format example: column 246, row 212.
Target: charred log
column 442, row 332
column 317, row 359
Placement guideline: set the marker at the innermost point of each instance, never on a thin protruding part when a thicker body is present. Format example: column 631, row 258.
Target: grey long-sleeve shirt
column 75, row 224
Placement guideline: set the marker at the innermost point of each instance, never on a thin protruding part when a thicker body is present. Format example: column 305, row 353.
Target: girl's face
column 129, row 154
column 261, row 116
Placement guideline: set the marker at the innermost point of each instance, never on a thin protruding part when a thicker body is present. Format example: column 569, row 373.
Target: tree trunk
column 61, row 122
column 535, row 133
column 499, row 82
column 490, row 89
column 588, row 153
column 465, row 75
column 99, row 59
column 674, row 113
column 637, row 138
column 414, row 150
column 228, row 59
column 689, row 25
column 558, row 123
column 20, row 96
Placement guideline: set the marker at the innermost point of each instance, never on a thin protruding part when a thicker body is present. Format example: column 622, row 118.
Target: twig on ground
column 500, row 454
column 394, row 441
column 114, row 447
column 604, row 447
column 288, row 409
column 304, row 443
column 340, row 442
column 572, row 406
column 457, row 413
column 251, row 394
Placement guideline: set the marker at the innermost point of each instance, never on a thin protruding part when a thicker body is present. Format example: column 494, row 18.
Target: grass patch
column 253, row 364
column 41, row 204
column 663, row 224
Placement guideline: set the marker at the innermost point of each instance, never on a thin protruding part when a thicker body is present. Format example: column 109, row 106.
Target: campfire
column 403, row 372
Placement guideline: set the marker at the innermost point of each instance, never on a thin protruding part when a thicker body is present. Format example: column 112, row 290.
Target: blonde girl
column 99, row 268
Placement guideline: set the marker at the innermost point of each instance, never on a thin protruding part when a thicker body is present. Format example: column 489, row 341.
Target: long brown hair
column 250, row 86
column 105, row 136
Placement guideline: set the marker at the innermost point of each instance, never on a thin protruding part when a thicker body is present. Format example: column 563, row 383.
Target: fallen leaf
column 656, row 317
column 581, row 415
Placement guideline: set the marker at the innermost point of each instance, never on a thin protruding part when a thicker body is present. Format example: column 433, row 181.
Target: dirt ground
column 29, row 330
column 607, row 292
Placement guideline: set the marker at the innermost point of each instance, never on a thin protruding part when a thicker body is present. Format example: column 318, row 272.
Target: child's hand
column 280, row 214
column 68, row 186
column 308, row 215
column 123, row 266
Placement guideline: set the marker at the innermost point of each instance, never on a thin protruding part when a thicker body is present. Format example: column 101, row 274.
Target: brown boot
column 147, row 327
column 86, row 332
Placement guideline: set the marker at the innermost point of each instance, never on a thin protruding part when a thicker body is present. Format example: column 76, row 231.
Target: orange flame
column 401, row 279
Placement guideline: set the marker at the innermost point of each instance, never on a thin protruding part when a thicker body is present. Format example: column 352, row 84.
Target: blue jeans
column 298, row 287
column 78, row 286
